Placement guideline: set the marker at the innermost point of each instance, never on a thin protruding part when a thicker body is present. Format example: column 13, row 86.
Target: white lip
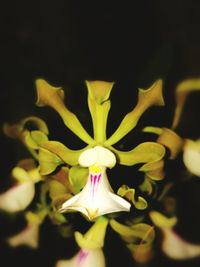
column 97, row 197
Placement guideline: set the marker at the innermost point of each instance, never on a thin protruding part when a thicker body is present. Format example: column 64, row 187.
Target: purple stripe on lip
column 81, row 257
column 94, row 180
column 99, row 178
column 91, row 178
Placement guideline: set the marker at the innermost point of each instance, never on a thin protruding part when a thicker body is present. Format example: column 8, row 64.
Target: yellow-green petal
column 147, row 185
column 168, row 138
column 56, row 189
column 54, row 97
column 129, row 193
column 146, row 99
column 39, row 123
column 136, row 233
column 33, row 139
column 99, row 106
column 182, row 90
column 154, row 170
column 143, row 153
column 57, row 218
column 16, row 130
column 69, row 156
column 172, row 141
column 94, row 238
column 152, row 129
column 78, row 177
column 162, row 221
column 99, row 91
column 48, row 161
column 123, row 230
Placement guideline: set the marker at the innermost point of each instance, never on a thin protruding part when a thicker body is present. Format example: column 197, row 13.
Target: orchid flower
column 173, row 245
column 29, row 236
column 19, row 196
column 96, row 198
column 191, row 156
column 91, row 244
column 84, row 258
column 177, row 248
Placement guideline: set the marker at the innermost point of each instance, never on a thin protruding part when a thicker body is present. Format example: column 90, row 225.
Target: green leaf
column 54, row 97
column 146, row 99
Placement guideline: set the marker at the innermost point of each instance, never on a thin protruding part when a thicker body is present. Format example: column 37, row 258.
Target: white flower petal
column 105, row 157
column 97, row 156
column 177, row 248
column 88, row 157
column 18, row 197
column 191, row 156
column 96, row 198
column 122, row 203
column 85, row 258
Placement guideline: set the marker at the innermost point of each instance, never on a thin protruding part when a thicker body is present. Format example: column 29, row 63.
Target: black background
column 66, row 42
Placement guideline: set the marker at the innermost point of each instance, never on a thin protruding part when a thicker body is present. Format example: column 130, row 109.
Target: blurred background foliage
column 67, row 42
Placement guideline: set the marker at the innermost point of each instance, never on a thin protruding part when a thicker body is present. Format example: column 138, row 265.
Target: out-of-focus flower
column 173, row 245
column 177, row 248
column 191, row 156
column 84, row 258
column 96, row 198
column 139, row 238
column 91, row 244
column 29, row 236
column 19, row 196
